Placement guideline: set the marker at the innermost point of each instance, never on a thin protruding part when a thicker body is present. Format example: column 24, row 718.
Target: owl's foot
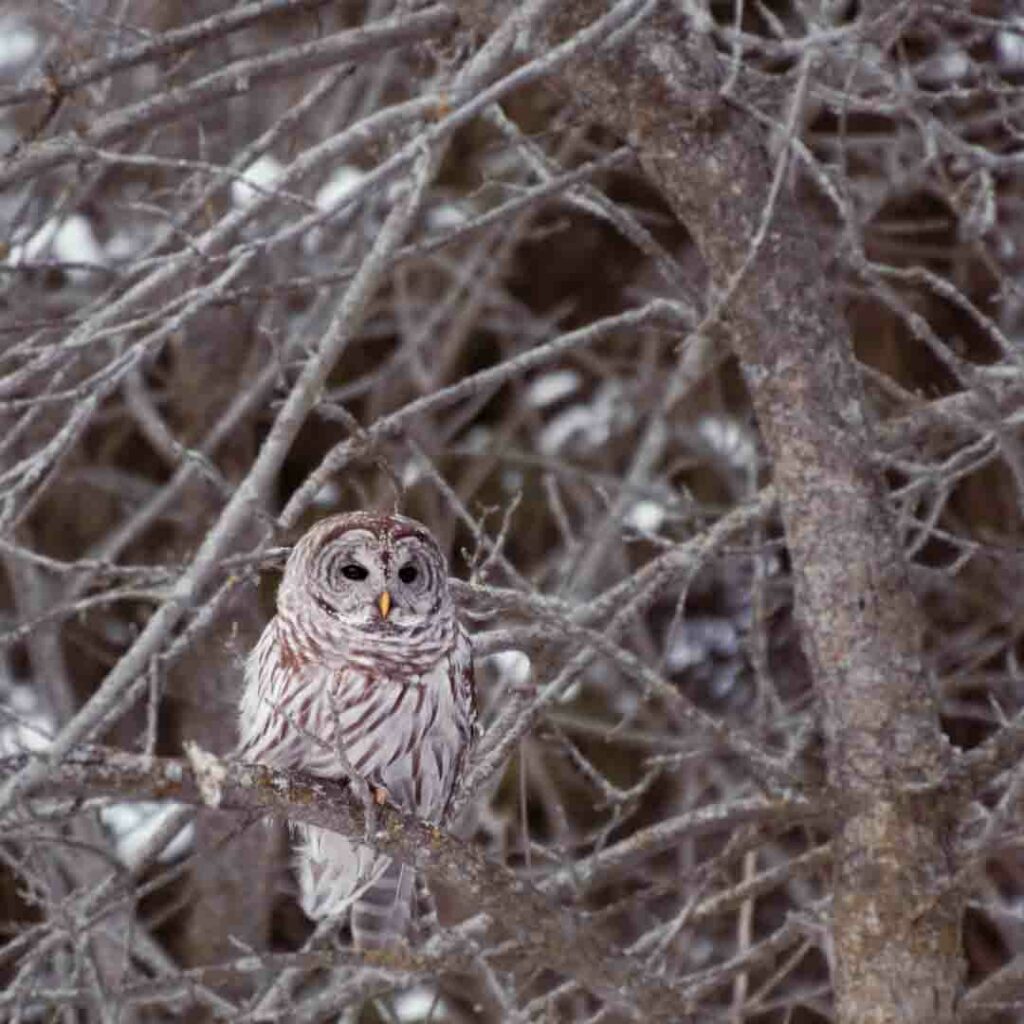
column 374, row 797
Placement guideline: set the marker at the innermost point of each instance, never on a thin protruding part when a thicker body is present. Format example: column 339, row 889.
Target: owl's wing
column 278, row 713
column 261, row 733
column 463, row 683
column 465, row 689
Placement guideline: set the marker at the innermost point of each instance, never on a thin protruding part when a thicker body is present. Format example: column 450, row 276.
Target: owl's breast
column 404, row 730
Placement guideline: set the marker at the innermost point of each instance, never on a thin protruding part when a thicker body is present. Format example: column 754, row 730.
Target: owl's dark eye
column 408, row 573
column 354, row 571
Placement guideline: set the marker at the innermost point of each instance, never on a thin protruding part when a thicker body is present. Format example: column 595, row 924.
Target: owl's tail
column 383, row 912
column 339, row 877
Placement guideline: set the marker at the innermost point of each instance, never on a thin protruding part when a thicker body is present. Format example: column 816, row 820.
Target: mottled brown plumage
column 363, row 670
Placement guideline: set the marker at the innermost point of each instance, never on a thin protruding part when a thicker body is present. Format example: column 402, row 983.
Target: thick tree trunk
column 897, row 951
column 235, row 870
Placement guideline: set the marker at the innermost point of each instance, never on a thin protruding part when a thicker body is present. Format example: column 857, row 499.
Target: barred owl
column 363, row 670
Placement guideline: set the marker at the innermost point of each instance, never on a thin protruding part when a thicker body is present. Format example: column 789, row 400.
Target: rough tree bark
column 897, row 951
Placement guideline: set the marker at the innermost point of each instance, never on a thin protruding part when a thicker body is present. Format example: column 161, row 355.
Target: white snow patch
column 328, row 496
column 646, row 516
column 329, row 198
column 945, row 67
column 589, row 425
column 419, row 1004
column 500, row 163
column 412, row 471
column 117, row 632
column 552, row 387
column 18, row 42
column 477, row 438
column 728, row 440
column 263, row 173
column 339, row 186
column 24, row 726
column 698, row 638
column 122, row 246
column 1010, row 46
column 512, row 481
column 446, row 217
column 132, row 826
column 70, row 240
column 513, row 667
column 577, row 420
column 724, row 679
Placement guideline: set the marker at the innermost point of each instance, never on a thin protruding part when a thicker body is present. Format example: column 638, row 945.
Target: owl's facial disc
column 378, row 584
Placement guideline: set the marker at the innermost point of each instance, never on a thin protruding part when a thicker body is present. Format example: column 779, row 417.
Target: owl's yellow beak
column 384, row 604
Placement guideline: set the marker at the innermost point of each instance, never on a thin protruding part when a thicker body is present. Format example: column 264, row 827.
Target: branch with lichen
column 555, row 935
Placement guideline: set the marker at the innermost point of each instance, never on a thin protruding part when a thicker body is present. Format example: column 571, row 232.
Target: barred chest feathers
column 404, row 730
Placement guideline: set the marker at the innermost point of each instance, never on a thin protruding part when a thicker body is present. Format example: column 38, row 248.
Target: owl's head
column 368, row 573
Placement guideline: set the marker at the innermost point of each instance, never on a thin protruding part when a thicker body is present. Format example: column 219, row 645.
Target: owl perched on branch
column 364, row 671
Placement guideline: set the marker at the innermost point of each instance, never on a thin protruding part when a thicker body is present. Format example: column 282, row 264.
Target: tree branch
column 556, row 937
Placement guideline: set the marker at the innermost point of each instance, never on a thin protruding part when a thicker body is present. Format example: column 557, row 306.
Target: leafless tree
column 693, row 329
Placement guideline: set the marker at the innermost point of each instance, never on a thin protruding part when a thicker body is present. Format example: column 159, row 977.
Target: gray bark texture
column 897, row 951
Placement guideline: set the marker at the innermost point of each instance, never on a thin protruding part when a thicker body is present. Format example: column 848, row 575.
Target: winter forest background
column 695, row 332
